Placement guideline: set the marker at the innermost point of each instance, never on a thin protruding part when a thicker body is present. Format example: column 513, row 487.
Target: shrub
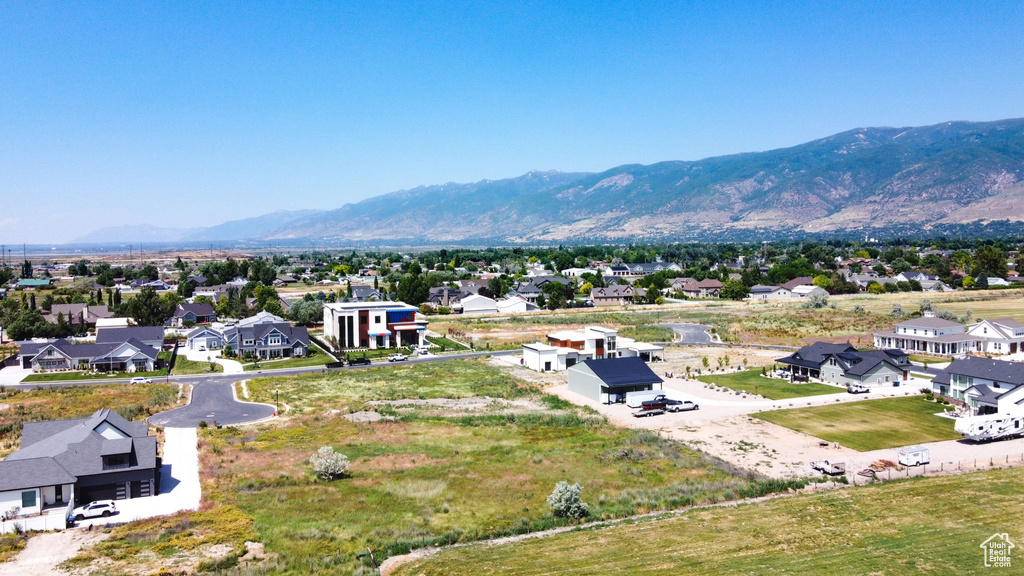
column 816, row 300
column 329, row 464
column 565, row 501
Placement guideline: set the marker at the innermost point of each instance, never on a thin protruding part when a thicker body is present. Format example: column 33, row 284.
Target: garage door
column 94, row 493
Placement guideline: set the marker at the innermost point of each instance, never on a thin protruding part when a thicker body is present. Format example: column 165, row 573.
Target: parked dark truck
column 659, row 402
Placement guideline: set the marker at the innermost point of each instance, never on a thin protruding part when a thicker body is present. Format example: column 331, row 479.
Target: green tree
column 734, row 290
column 147, row 309
column 989, row 261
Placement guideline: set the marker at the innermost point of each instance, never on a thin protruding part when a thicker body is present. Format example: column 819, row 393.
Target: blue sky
column 190, row 114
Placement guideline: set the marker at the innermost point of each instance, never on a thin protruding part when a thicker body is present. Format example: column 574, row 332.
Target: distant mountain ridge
column 247, row 228
column 896, row 180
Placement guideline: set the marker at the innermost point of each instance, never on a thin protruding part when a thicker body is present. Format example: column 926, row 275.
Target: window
column 376, row 319
column 274, row 340
column 28, row 499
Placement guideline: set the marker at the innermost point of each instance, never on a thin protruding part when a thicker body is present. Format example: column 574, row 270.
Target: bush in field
column 897, row 310
column 816, row 300
column 565, row 501
column 329, row 464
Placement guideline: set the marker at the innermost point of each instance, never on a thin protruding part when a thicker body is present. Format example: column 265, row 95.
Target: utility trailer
column 636, row 399
column 913, row 456
column 830, row 468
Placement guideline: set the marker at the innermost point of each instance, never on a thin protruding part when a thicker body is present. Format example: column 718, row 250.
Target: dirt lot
column 722, row 427
column 45, row 551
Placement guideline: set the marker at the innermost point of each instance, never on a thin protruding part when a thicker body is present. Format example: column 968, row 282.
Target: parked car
column 359, row 362
column 95, row 509
column 397, row 358
column 141, row 380
column 682, row 406
column 857, row 389
column 648, row 412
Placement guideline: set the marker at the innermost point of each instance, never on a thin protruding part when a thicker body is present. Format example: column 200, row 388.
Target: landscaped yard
column 753, row 382
column 183, row 366
column 74, row 376
column 927, row 526
column 317, row 358
column 446, row 343
column 129, row 400
column 435, row 472
column 871, row 424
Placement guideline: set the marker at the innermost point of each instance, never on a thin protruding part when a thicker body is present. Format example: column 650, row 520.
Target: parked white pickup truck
column 831, row 468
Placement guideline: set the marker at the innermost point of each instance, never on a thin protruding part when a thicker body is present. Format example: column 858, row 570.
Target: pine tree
column 32, row 301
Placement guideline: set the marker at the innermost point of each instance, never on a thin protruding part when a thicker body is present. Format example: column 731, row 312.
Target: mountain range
column 879, row 181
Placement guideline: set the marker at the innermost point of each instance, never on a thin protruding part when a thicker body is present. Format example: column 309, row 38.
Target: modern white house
column 477, row 304
column 567, row 348
column 373, row 325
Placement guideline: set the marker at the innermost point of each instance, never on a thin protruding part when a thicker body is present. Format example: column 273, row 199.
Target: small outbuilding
column 608, row 380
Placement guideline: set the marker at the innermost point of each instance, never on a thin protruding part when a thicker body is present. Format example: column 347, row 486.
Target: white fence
column 53, row 520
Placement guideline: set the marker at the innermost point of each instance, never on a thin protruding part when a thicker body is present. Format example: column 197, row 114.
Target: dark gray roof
column 862, row 362
column 79, row 448
column 762, row 289
column 259, row 331
column 812, row 356
column 986, row 394
column 984, row 368
column 200, row 309
column 615, row 372
column 32, row 473
column 118, row 335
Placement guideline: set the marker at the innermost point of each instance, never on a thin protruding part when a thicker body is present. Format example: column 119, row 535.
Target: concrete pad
column 179, row 483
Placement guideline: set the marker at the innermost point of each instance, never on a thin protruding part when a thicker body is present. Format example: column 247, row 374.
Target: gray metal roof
column 631, row 371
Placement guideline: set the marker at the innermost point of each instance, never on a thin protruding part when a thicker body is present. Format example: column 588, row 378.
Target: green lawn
column 65, row 376
column 183, row 365
column 318, row 358
column 752, row 381
column 870, row 424
column 448, row 343
column 928, row 526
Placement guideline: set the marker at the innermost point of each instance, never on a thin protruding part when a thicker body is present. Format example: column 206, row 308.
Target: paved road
column 690, row 333
column 213, row 401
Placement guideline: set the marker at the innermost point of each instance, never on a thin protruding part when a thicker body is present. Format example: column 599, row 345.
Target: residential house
column 707, row 288
column 365, row 294
column 676, row 284
column 987, row 386
column 568, row 347
column 472, row 286
column 760, row 292
column 914, row 275
column 928, row 335
column 646, row 268
column 445, row 296
column 285, row 280
column 102, row 457
column 127, row 356
column 845, row 365
column 33, row 283
column 801, row 281
column 608, row 381
column 998, row 336
column 617, row 295
column 201, row 313
column 577, row 272
column 79, row 313
column 513, row 305
column 263, row 336
column 373, row 324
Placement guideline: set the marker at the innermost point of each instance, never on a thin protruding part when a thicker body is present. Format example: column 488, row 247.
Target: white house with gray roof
column 81, row 460
column 126, row 356
column 986, row 385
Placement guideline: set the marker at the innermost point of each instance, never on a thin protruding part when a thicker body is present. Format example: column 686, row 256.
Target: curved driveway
column 690, row 333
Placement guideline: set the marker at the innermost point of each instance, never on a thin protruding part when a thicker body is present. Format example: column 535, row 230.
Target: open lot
column 440, row 453
column 130, row 400
column 774, row 389
column 870, row 425
column 904, row 527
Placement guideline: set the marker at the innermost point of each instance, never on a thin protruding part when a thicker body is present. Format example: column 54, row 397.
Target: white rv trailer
column 990, row 426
